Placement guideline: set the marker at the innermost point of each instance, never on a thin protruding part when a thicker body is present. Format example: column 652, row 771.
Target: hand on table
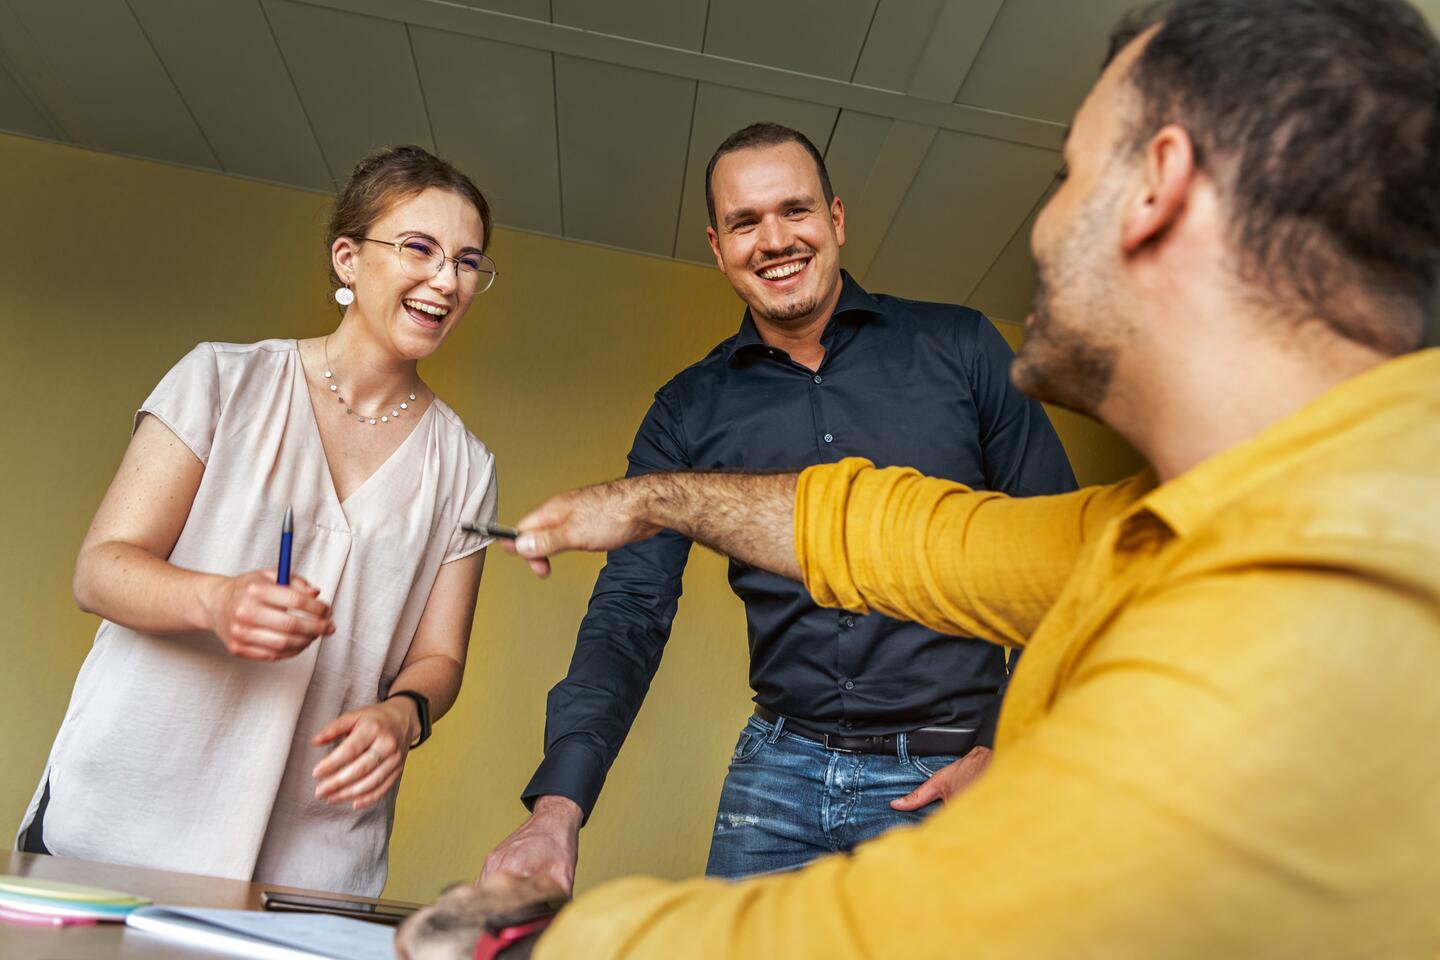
column 257, row 619
column 448, row 929
column 547, row 846
column 369, row 760
column 947, row 781
column 598, row 518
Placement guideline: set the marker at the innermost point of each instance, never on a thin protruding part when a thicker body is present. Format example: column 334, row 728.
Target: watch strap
column 422, row 706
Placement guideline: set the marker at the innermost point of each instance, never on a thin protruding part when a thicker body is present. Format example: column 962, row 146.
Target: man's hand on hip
column 947, row 781
column 547, row 846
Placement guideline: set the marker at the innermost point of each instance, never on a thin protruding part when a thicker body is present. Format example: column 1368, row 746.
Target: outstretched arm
column 747, row 516
column 912, row 547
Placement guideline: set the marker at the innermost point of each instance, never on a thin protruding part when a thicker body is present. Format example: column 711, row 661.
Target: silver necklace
column 382, row 417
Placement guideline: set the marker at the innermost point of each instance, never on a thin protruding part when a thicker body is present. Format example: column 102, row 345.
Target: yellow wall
column 111, row 268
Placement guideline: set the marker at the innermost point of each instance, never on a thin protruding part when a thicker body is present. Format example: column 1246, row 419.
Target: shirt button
column 849, row 684
column 819, row 379
column 849, row 622
column 829, row 438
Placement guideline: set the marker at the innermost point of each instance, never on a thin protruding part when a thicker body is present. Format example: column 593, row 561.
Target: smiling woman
column 291, row 707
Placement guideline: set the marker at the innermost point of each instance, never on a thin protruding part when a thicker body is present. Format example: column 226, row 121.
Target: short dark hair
column 763, row 135
column 1321, row 119
column 389, row 176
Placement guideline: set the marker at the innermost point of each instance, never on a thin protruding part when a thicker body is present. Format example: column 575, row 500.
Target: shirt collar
column 1352, row 408
column 854, row 306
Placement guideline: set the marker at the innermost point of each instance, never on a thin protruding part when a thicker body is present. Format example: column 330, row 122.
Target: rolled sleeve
column 956, row 560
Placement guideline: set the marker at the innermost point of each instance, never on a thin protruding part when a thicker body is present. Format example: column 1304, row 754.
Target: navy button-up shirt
column 902, row 382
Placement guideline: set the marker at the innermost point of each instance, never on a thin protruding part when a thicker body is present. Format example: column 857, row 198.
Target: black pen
column 491, row 530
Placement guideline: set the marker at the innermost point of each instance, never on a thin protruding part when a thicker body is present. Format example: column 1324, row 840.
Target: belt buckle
column 827, row 746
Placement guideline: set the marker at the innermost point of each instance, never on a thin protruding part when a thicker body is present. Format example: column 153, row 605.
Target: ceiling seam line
column 215, row 154
column 705, row 29
column 559, row 154
column 1039, row 202
column 420, row 83
column 9, row 18
column 833, row 127
column 708, row 68
column 295, row 88
column 889, row 227
column 874, row 11
column 10, row 71
column 689, row 139
column 979, row 50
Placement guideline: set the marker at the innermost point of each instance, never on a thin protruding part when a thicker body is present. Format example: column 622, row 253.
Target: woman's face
column 414, row 316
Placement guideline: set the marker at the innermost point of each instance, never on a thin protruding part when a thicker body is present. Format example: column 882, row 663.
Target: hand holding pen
column 267, row 614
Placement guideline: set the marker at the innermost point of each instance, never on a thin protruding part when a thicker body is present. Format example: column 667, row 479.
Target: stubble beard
column 1071, row 363
column 790, row 312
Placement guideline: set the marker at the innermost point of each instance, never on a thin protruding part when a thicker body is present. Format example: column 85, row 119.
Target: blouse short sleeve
column 187, row 400
column 479, row 508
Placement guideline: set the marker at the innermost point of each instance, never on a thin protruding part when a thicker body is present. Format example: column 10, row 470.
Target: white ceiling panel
column 356, row 77
column 222, row 56
column 1005, row 292
column 1042, row 57
column 493, row 109
column 674, row 23
column 533, row 9
column 970, row 196
column 18, row 114
column 851, row 157
column 819, row 37
column 719, row 112
column 115, row 94
column 622, row 171
column 896, row 43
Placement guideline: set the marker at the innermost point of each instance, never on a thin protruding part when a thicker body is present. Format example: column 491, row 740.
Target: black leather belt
column 924, row 742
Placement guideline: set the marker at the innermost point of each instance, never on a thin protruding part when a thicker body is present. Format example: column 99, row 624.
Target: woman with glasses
column 226, row 723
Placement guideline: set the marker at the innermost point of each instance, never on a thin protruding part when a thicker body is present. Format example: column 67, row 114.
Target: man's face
column 776, row 239
column 1079, row 325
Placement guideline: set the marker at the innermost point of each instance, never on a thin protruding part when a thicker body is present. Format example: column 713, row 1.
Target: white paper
column 269, row 936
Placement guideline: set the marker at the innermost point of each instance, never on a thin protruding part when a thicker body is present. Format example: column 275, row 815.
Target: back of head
column 1320, row 119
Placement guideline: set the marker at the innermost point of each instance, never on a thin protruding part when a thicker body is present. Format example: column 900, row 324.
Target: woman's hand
column 369, row 760
column 258, row 619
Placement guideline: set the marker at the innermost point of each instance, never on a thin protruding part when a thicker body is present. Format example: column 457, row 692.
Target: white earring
column 344, row 296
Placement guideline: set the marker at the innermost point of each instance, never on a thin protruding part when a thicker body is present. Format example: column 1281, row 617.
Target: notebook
column 36, row 897
column 268, row 936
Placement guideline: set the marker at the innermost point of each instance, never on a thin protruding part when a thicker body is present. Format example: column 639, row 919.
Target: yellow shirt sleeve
column 1179, row 801
column 934, row 551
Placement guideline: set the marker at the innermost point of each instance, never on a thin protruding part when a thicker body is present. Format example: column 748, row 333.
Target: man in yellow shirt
column 1221, row 740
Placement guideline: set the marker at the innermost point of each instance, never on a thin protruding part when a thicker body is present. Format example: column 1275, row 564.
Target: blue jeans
column 787, row 800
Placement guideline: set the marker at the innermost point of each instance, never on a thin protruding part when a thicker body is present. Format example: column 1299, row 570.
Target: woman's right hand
column 258, row 619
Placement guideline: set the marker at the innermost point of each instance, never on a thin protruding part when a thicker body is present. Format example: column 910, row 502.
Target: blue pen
column 287, row 533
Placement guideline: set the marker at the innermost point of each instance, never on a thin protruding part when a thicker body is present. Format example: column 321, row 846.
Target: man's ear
column 714, row 239
column 1161, row 200
column 837, row 217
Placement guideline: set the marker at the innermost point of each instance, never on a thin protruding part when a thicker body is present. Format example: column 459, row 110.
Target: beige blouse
column 174, row 754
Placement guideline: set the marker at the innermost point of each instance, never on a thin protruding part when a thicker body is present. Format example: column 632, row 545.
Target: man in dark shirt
column 861, row 723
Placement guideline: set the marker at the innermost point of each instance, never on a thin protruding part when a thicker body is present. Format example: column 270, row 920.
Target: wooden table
column 106, row 941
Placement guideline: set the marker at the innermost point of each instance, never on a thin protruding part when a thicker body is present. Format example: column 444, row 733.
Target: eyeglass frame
column 444, row 259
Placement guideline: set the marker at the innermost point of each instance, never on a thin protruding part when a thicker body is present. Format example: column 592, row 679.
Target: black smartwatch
column 423, row 707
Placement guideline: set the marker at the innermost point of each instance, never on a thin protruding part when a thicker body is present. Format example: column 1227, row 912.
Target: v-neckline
column 302, row 384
